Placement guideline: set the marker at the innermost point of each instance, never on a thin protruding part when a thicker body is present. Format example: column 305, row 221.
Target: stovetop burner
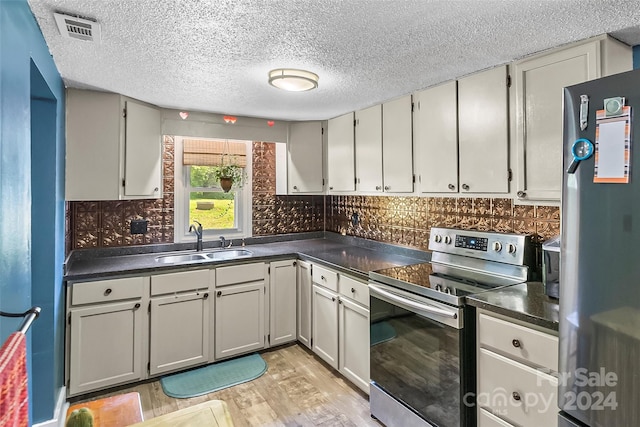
column 483, row 261
column 424, row 279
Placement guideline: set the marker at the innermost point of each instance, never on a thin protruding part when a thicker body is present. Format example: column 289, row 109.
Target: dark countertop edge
column 412, row 256
column 175, row 268
column 81, row 254
column 519, row 315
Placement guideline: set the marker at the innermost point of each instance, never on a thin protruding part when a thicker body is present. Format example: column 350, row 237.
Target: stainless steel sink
column 181, row 259
column 228, row 254
column 218, row 255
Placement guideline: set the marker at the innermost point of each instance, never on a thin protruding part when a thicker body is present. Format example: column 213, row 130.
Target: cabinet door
column 340, row 154
column 305, row 157
column 325, row 325
column 282, row 292
column 483, row 137
column 92, row 145
column 368, row 142
column 179, row 333
column 239, row 319
column 354, row 343
column 538, row 86
column 435, row 136
column 143, row 152
column 105, row 346
column 304, row 303
column 397, row 146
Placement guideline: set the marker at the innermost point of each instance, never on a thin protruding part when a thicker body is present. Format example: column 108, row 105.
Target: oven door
column 416, row 350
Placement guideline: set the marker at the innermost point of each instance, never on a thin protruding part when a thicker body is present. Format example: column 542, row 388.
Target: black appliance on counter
column 423, row 364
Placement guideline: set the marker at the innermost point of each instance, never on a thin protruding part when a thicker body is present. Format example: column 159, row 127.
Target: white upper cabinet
column 538, row 84
column 368, row 142
column 483, row 137
column 143, row 143
column 305, row 158
column 435, row 136
column 113, row 147
column 340, row 154
column 397, row 151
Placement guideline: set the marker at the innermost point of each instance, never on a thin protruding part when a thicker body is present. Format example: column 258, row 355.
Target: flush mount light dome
column 293, row 80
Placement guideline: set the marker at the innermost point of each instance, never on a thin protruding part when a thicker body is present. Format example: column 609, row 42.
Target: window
column 199, row 195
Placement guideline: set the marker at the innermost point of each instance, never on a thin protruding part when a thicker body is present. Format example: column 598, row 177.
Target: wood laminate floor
column 296, row 390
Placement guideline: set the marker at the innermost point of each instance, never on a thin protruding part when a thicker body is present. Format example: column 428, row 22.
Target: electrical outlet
column 139, row 226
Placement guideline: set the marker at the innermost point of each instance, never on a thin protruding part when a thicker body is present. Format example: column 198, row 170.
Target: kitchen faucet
column 223, row 242
column 198, row 231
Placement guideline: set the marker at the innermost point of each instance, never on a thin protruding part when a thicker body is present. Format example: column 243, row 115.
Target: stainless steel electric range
column 422, row 333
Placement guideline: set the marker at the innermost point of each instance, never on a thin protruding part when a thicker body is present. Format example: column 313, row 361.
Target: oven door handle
column 414, row 304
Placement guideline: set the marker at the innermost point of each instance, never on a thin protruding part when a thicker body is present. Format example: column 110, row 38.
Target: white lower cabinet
column 179, row 321
column 341, row 325
column 282, row 302
column 517, row 383
column 325, row 325
column 105, row 333
column 304, row 308
column 354, row 342
column 239, row 309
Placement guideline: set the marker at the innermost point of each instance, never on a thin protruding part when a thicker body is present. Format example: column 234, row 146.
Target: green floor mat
column 214, row 377
column 381, row 332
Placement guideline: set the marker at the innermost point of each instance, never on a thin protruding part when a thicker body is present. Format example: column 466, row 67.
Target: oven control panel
column 501, row 247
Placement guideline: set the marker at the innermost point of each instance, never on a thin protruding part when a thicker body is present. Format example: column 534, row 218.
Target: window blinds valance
column 203, row 152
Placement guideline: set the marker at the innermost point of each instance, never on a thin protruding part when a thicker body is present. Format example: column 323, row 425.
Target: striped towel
column 14, row 398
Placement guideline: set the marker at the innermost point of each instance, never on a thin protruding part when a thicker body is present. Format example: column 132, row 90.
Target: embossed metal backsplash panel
column 273, row 214
column 407, row 220
column 400, row 220
column 107, row 223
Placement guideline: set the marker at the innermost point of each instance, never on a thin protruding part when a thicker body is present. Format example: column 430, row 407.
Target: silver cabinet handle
column 155, row 190
column 521, row 194
column 378, row 187
column 330, row 188
column 516, row 396
column 295, row 187
column 452, row 187
column 387, row 188
column 516, row 343
column 465, row 187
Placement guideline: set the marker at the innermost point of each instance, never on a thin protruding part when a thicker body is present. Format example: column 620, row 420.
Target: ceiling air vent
column 77, row 28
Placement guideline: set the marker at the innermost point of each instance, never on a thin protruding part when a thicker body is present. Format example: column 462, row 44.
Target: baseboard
column 60, row 412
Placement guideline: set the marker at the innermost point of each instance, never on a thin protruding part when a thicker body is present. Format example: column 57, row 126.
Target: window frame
column 182, row 191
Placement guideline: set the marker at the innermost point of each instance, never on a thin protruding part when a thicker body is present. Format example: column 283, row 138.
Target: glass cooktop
column 435, row 281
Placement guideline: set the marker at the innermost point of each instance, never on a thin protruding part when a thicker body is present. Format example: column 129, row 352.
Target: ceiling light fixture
column 293, row 80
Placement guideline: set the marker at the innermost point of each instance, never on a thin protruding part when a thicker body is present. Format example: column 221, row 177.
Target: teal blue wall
column 32, row 198
column 636, row 57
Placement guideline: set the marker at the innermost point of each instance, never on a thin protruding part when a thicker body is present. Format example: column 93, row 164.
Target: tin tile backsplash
column 407, row 220
column 400, row 220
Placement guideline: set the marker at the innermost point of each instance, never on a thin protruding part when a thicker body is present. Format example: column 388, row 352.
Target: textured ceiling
column 214, row 56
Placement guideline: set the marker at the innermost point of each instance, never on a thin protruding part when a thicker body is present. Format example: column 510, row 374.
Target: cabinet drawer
column 107, row 290
column 325, row 277
column 179, row 282
column 354, row 289
column 534, row 402
column 533, row 346
column 243, row 273
column 486, row 419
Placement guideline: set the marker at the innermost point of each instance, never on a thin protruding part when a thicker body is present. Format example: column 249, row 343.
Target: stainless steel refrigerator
column 599, row 383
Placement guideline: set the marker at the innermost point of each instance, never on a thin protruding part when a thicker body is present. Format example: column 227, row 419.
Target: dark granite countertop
column 525, row 301
column 345, row 254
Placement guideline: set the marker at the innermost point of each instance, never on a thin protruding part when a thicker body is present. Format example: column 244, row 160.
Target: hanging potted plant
column 228, row 176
